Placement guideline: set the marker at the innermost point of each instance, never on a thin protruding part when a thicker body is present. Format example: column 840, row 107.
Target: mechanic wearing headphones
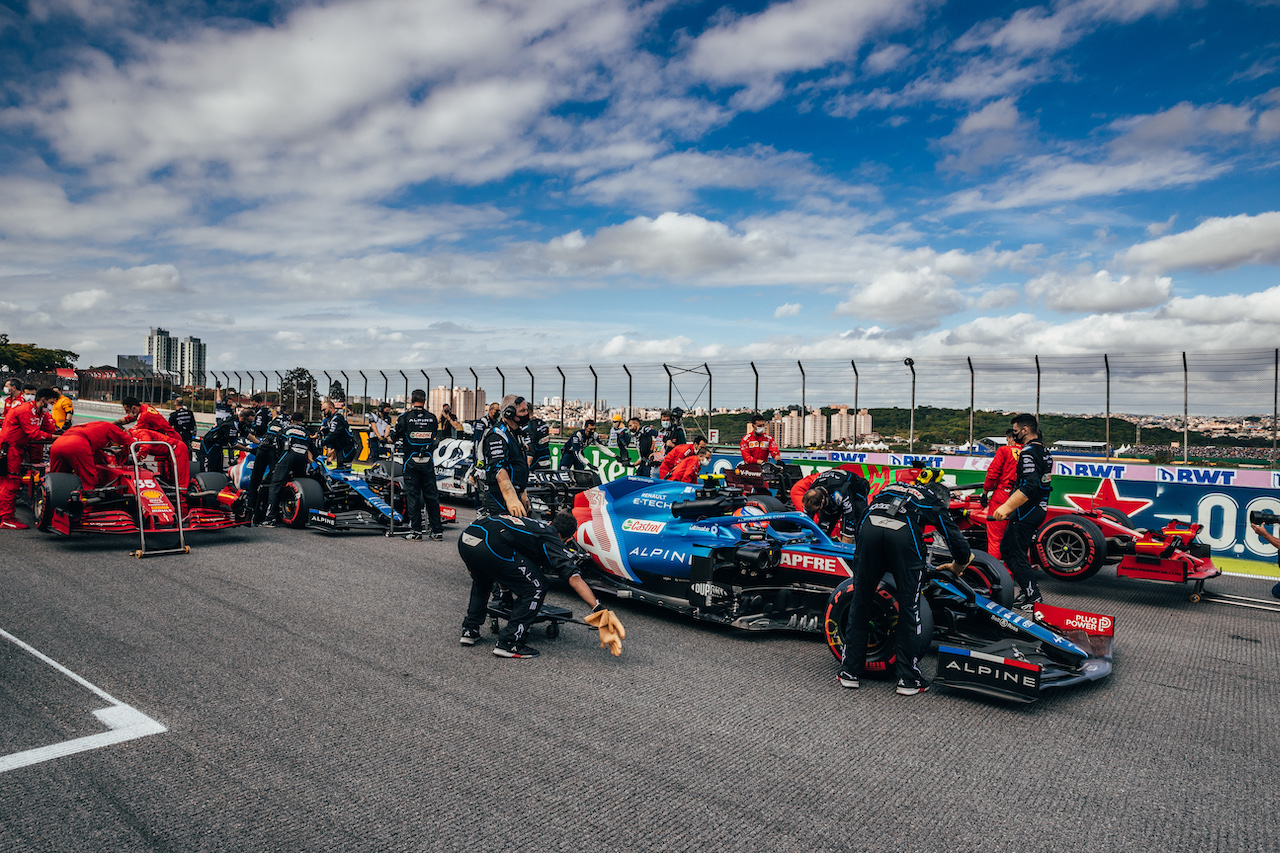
column 296, row 450
column 264, row 459
column 214, row 442
column 537, row 441
column 646, row 437
column 262, row 416
column 515, row 552
column 183, row 423
column 336, row 438
column 415, row 434
column 891, row 539
column 571, row 454
column 1026, row 508
column 506, row 471
column 23, row 424
column 838, row 496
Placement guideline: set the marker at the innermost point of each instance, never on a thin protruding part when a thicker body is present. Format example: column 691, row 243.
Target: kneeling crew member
column 838, row 497
column 295, row 452
column 515, row 552
column 415, row 434
column 891, row 539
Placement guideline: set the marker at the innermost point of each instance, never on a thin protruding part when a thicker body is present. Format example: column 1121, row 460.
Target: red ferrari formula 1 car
column 1073, row 545
column 132, row 500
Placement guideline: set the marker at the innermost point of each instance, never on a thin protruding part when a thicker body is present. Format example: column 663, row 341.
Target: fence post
column 328, row 382
column 406, row 387
column 451, row 384
column 253, row 383
column 1186, row 426
column 628, row 372
column 803, row 404
column 386, row 388
column 1037, row 387
column 531, row 383
column 475, row 397
column 311, row 398
column 1275, row 411
column 504, row 386
column 710, row 408
column 595, row 395
column 911, row 434
column 346, row 388
column 670, row 383
column 365, row 402
column 755, row 406
column 1106, row 363
column 280, row 393
column 239, row 382
column 563, row 386
column 426, row 379
column 857, row 380
column 970, row 360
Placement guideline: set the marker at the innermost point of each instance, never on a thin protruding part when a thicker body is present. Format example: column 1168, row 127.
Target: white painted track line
column 123, row 721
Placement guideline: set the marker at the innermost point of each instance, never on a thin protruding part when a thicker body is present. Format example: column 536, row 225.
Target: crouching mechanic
column 891, row 539
column 295, row 450
column 837, row 496
column 517, row 553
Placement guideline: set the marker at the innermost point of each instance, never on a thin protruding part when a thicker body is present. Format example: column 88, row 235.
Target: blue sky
column 402, row 183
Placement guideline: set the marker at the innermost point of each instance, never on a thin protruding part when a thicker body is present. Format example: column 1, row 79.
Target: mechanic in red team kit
column 757, row 445
column 23, row 424
column 147, row 417
column 1026, row 508
column 678, row 454
column 686, row 470
column 1001, row 479
column 891, row 538
column 81, row 450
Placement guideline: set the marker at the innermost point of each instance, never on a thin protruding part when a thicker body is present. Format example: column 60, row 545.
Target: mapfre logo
column 643, row 525
column 813, row 563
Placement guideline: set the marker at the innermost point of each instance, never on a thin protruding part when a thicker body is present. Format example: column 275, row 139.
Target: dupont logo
column 813, row 563
column 643, row 525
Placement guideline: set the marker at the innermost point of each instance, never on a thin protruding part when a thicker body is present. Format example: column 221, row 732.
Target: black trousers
column 519, row 577
column 887, row 544
column 420, row 490
column 212, row 458
column 288, row 464
column 263, row 460
column 1015, row 546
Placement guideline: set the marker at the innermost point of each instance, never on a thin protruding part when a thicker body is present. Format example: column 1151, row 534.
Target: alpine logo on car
column 962, row 666
column 669, row 555
column 809, row 562
column 641, row 525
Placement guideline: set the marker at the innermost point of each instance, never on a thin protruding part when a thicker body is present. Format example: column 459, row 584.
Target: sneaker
column 12, row 524
column 435, row 536
column 1030, row 598
column 470, row 636
column 515, row 650
column 911, row 688
column 270, row 522
column 413, row 536
column 847, row 680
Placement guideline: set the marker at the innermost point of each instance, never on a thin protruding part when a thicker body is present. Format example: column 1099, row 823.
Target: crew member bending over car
column 571, row 455
column 1026, row 508
column 1001, row 480
column 678, row 454
column 23, row 424
column 516, row 552
column 295, row 452
column 891, row 539
column 837, row 497
column 686, row 470
column 214, row 443
column 415, row 435
column 757, row 445
column 81, row 450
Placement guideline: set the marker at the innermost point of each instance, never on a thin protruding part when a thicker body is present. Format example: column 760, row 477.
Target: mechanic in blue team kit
column 222, row 410
column 838, row 496
column 297, row 450
column 262, row 416
column 646, row 442
column 537, row 443
column 571, row 455
column 214, row 443
column 891, row 539
column 264, row 458
column 415, row 434
column 506, row 472
column 336, row 437
column 1026, row 508
column 515, row 552
column 183, row 423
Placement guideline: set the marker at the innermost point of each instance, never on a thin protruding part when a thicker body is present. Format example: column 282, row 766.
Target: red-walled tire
column 1070, row 548
column 884, row 623
column 301, row 496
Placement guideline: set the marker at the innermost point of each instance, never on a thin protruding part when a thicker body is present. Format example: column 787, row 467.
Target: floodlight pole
column 628, row 372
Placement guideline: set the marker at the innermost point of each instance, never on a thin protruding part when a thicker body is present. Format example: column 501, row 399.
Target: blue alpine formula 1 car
column 718, row 555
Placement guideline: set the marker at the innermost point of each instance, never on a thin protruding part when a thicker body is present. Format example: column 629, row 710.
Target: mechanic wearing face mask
column 23, row 424
column 1026, row 508
column 647, row 444
column 537, row 441
column 297, row 449
column 12, row 394
column 680, row 453
column 571, row 454
column 506, row 469
column 757, row 445
column 415, row 434
column 891, row 539
column 672, row 432
column 515, row 552
column 838, row 496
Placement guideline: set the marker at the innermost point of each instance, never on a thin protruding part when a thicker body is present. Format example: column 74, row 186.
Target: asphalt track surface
column 315, row 697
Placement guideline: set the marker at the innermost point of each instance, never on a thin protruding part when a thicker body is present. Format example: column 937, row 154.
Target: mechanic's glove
column 611, row 631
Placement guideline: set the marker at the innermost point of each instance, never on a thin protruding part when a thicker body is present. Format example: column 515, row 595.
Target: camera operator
column 1258, row 522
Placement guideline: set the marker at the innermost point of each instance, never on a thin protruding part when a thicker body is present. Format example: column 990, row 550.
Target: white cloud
column 915, row 298
column 153, row 277
column 1099, row 292
column 1218, row 243
column 787, row 309
column 1037, row 30
column 622, row 346
column 884, row 59
column 1182, row 126
column 83, row 300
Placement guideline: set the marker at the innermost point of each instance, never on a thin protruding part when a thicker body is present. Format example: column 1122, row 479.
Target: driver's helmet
column 938, row 490
column 677, row 412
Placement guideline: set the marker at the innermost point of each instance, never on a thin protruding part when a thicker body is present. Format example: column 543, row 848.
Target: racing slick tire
column 303, row 495
column 884, row 621
column 1070, row 548
column 55, row 492
column 1115, row 515
column 988, row 576
column 210, row 481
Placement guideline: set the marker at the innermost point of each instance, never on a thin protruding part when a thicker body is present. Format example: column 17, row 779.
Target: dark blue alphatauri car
column 720, row 556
